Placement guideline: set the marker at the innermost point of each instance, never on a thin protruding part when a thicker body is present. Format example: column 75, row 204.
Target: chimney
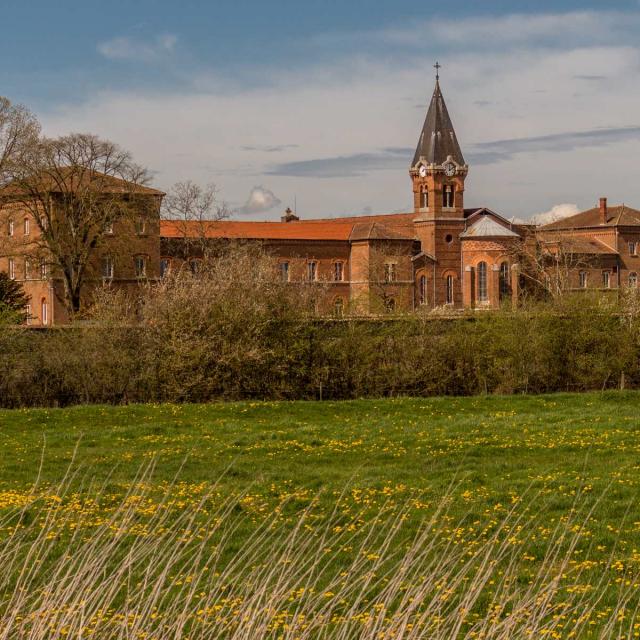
column 603, row 211
column 289, row 216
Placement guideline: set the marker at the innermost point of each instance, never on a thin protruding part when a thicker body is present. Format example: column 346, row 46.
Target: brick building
column 439, row 255
column 127, row 253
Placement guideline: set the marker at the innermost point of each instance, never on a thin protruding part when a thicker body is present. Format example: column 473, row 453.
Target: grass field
column 563, row 471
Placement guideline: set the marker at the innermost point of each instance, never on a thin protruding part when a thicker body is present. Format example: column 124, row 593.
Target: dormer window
column 447, row 196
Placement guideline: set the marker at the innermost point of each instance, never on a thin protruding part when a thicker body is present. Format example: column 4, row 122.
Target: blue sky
column 323, row 101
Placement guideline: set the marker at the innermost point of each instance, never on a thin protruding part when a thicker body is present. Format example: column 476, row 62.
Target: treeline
column 231, row 332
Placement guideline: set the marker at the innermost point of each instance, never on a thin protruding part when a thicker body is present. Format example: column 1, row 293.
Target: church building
column 441, row 254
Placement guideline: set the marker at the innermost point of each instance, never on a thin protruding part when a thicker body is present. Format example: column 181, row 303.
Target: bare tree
column 549, row 264
column 75, row 188
column 19, row 130
column 192, row 209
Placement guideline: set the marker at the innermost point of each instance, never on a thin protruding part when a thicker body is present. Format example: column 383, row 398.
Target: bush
column 233, row 331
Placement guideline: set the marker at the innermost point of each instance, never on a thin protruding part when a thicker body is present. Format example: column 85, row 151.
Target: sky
column 320, row 103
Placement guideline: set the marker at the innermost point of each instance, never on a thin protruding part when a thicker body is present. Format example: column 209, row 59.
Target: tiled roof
column 377, row 231
column 92, row 179
column 620, row 215
column 394, row 226
column 581, row 246
column 257, row 230
column 487, row 227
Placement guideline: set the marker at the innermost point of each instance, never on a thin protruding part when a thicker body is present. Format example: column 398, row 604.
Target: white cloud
column 557, row 212
column 356, row 107
column 261, row 200
column 124, row 48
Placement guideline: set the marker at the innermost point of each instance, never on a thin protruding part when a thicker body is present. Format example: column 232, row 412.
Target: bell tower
column 438, row 173
column 438, row 170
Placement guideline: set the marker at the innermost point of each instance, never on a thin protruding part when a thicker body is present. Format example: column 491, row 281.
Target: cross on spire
column 437, row 66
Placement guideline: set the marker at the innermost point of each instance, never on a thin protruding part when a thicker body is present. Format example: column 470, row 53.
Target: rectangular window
column 27, row 227
column 312, row 271
column 447, row 196
column 43, row 269
column 633, row 248
column 165, row 264
column 141, row 266
column 606, row 279
column 338, row 272
column 390, row 272
column 424, row 199
column 28, row 313
column 284, row 271
column 141, row 226
column 10, row 228
column 449, row 289
column 107, row 268
column 583, row 279
column 27, row 268
column 12, row 268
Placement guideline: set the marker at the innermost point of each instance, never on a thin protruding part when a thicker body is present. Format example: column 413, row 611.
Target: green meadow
column 545, row 464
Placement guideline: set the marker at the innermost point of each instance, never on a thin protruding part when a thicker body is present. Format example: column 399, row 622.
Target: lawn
column 552, row 460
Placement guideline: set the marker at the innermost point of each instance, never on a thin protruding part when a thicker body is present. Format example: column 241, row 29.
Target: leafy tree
column 13, row 300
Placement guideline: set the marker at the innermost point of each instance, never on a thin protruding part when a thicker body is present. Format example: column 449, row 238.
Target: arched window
column 338, row 271
column 505, row 285
column 27, row 227
column 44, row 311
column 338, row 307
column 390, row 305
column 449, row 283
column 583, row 279
column 424, row 199
column 422, row 290
column 483, row 295
column 633, row 280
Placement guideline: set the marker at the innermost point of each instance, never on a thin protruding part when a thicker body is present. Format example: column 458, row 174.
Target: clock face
column 449, row 169
column 423, row 171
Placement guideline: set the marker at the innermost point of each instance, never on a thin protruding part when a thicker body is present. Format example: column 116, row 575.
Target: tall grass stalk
column 173, row 572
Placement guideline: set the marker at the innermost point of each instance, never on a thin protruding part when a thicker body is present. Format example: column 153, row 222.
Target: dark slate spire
column 438, row 139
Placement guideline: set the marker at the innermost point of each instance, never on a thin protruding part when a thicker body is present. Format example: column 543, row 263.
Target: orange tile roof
column 620, row 215
column 582, row 246
column 337, row 229
column 257, row 230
